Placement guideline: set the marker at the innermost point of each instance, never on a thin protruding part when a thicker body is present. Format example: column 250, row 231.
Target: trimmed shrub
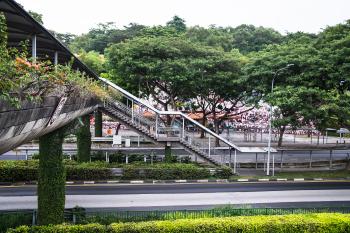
column 313, row 223
column 165, row 172
column 14, row 219
column 224, row 172
column 83, row 173
column 16, row 171
column 16, row 174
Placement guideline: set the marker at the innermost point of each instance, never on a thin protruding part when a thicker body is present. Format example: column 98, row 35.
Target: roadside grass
column 300, row 174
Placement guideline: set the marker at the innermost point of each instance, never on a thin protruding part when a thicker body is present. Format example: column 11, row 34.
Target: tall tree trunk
column 280, row 138
column 84, row 140
column 217, row 129
column 167, row 149
column 204, row 120
column 51, row 181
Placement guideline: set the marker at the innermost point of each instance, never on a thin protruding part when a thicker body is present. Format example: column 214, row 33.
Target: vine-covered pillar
column 167, row 153
column 51, row 181
column 84, row 140
column 98, row 123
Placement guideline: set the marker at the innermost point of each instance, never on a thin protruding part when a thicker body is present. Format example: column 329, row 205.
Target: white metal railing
column 178, row 128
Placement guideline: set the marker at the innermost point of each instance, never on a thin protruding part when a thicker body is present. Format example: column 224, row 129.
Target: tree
column 162, row 65
column 99, row 38
column 177, row 23
column 65, row 38
column 220, row 89
column 96, row 39
column 93, row 60
column 37, row 16
column 305, row 94
column 248, row 38
column 212, row 36
column 245, row 38
column 171, row 71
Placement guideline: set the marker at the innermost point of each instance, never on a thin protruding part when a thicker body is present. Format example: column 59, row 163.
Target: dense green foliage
column 315, row 90
column 19, row 171
column 165, row 172
column 315, row 223
column 21, row 78
column 84, row 140
column 98, row 123
column 191, row 67
column 51, row 179
column 15, row 219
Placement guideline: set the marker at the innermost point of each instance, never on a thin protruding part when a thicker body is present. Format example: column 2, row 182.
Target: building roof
column 21, row 26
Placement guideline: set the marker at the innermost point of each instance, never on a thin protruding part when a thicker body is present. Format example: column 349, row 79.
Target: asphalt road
column 188, row 196
column 118, row 189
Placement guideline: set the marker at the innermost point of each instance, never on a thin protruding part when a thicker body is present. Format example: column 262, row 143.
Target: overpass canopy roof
column 21, row 27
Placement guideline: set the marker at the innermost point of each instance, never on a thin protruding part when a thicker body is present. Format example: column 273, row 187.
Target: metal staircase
column 128, row 109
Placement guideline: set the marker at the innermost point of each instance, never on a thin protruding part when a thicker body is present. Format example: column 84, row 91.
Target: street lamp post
column 270, row 123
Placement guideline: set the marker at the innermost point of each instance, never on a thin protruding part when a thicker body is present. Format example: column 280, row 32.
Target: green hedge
column 165, row 172
column 81, row 173
column 13, row 219
column 16, row 171
column 315, row 223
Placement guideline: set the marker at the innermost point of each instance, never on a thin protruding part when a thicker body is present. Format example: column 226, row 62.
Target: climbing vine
column 84, row 140
column 22, row 79
column 51, row 182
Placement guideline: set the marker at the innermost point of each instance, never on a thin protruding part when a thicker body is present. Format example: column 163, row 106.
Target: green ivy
column 51, row 182
column 3, row 33
column 98, row 124
column 84, row 140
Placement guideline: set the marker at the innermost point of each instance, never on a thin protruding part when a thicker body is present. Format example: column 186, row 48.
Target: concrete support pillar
column 55, row 61
column 34, row 50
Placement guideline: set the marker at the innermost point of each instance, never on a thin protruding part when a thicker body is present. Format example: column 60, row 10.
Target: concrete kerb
column 200, row 181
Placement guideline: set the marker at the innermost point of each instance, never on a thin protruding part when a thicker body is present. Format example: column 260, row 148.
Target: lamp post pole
column 270, row 123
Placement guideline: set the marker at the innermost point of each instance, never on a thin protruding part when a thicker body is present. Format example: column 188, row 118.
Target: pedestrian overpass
column 32, row 120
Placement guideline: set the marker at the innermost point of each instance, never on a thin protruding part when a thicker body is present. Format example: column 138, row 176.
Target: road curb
column 199, row 181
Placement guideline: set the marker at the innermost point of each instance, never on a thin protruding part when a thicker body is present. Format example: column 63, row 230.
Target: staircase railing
column 156, row 124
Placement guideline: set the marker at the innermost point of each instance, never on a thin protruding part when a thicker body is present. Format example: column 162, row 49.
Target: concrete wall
column 18, row 126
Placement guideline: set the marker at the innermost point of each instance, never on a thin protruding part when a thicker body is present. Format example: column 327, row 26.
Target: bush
column 14, row 219
column 316, row 223
column 15, row 171
column 121, row 158
column 82, row 173
column 224, row 172
column 165, row 172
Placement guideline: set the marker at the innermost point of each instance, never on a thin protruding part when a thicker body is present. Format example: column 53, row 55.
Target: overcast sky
column 78, row 16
